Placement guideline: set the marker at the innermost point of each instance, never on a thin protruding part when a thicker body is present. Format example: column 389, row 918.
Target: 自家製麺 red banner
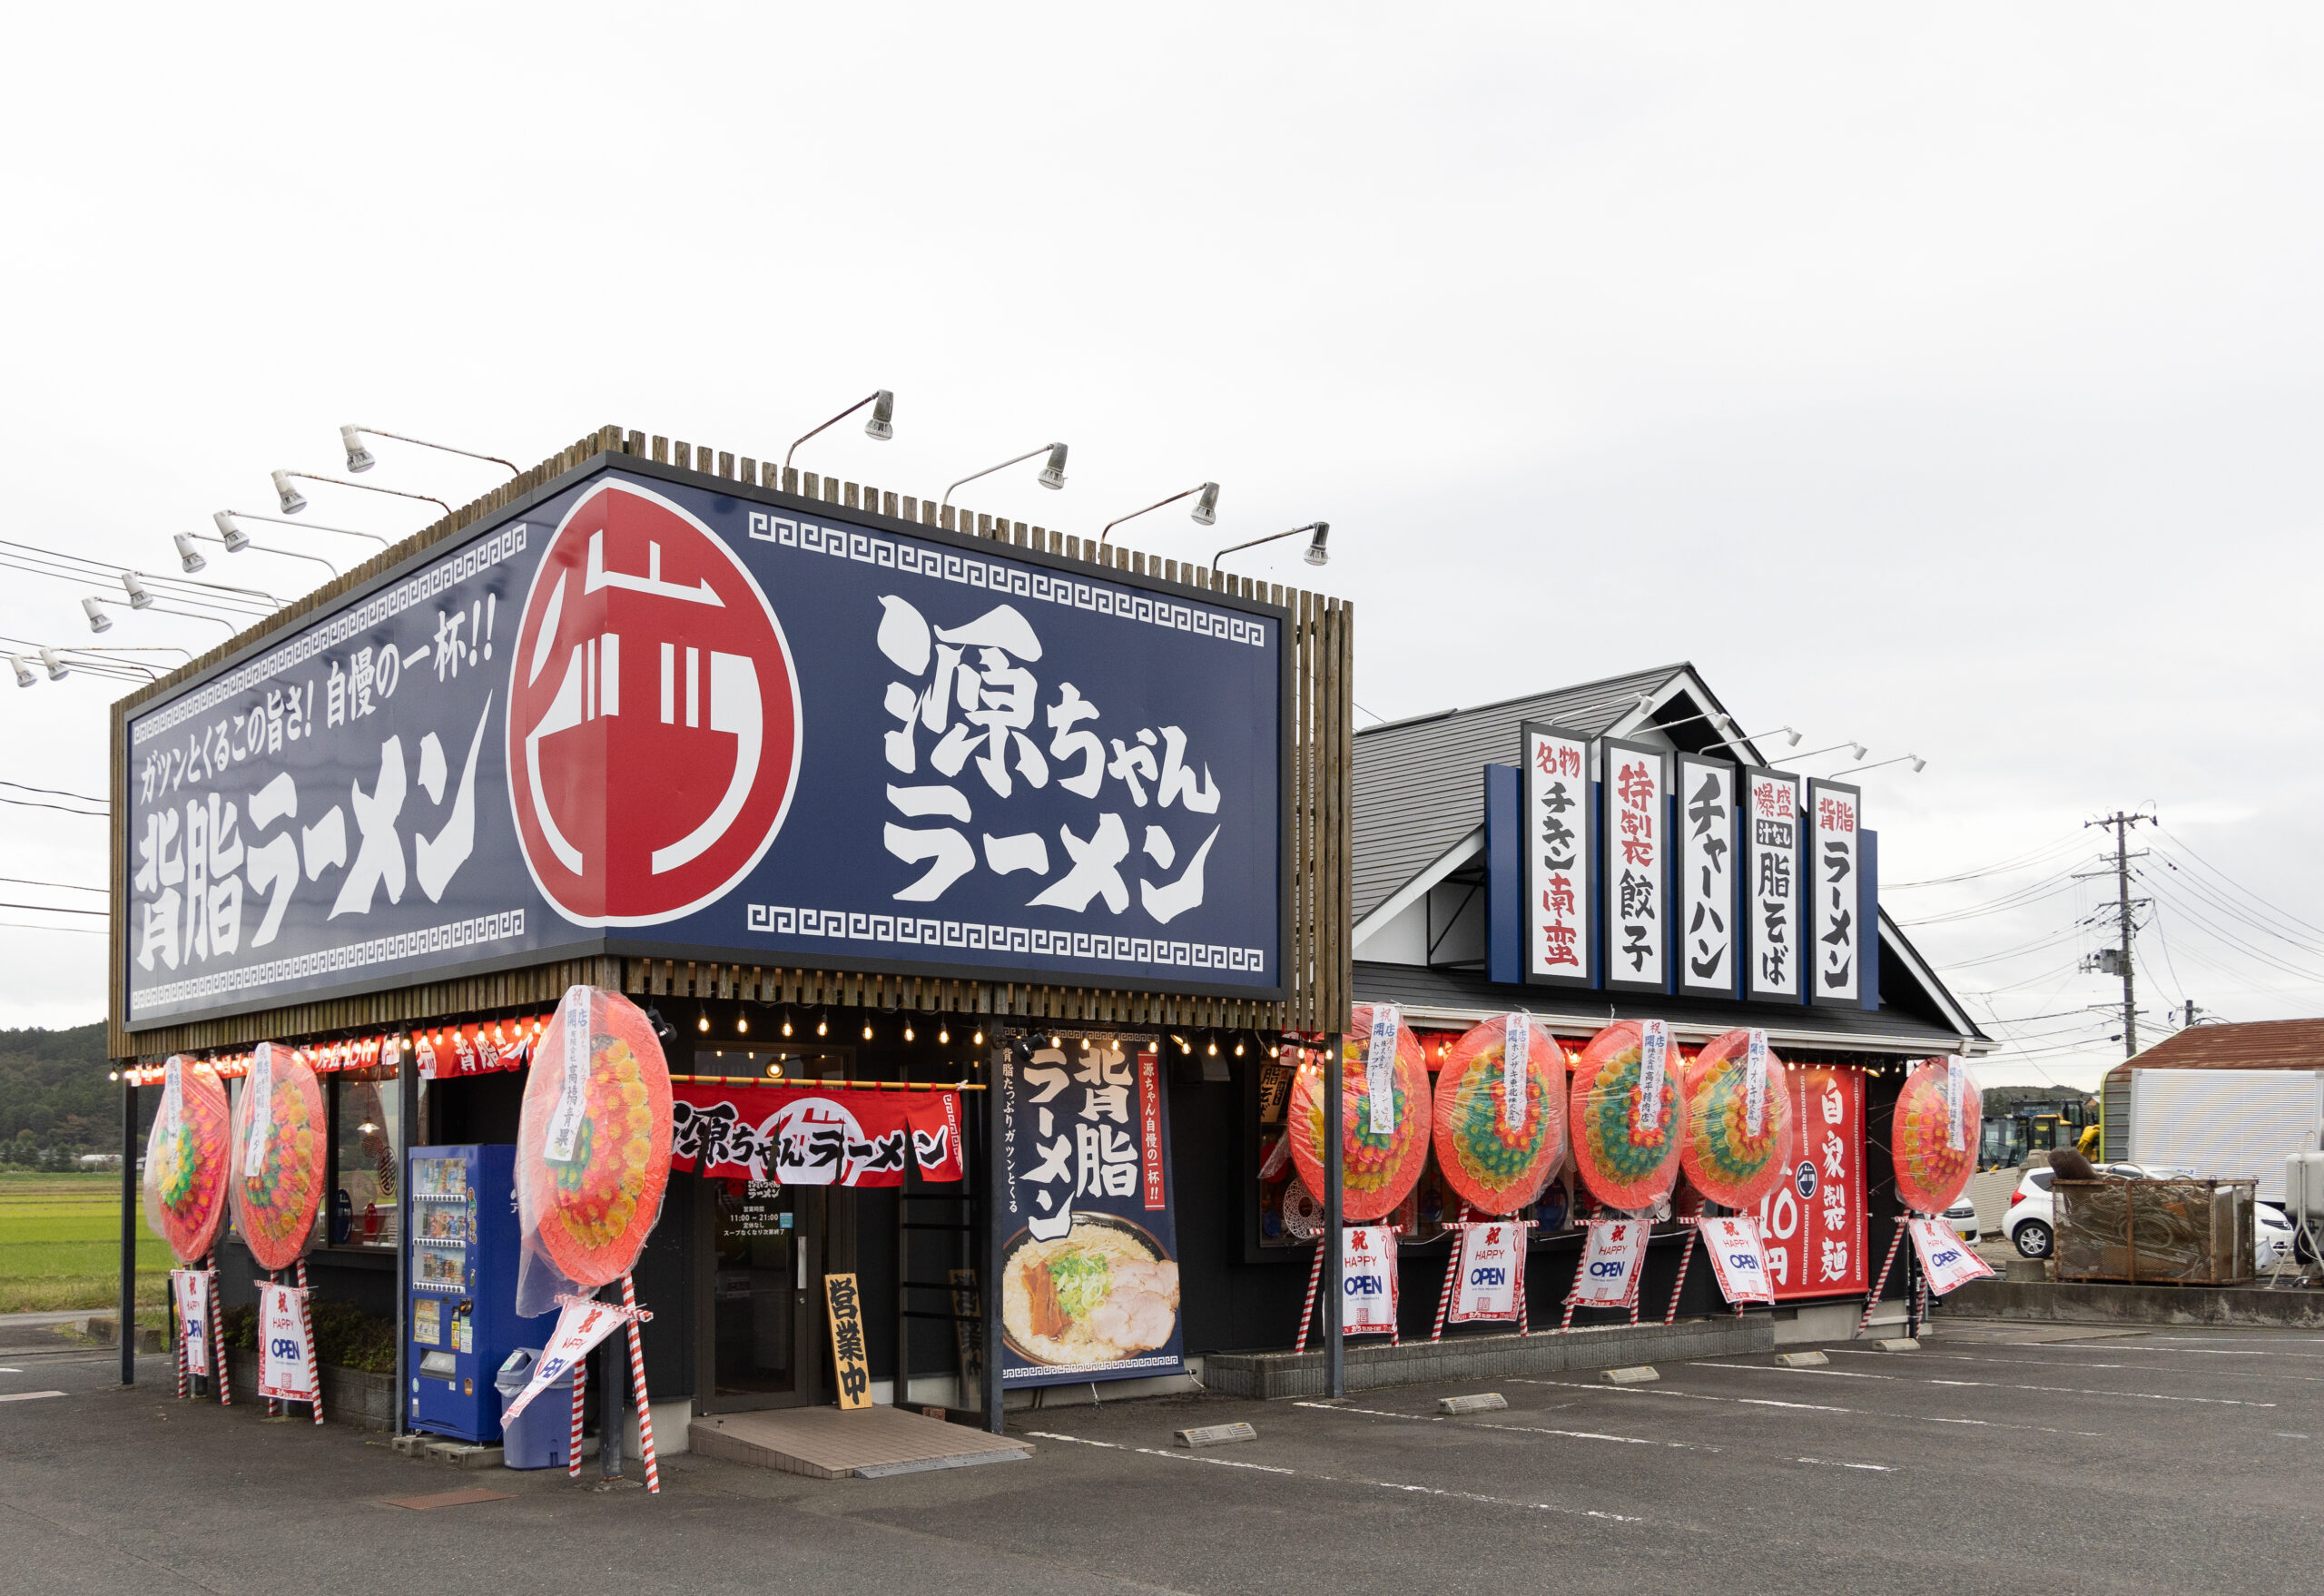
column 814, row 1135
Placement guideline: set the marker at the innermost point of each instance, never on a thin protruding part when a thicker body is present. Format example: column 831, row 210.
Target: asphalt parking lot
column 1997, row 1457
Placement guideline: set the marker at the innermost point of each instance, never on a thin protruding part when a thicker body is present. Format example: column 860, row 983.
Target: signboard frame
column 1756, row 990
column 1819, row 912
column 1687, row 855
column 586, row 942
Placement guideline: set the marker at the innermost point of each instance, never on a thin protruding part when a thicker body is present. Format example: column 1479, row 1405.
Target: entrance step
column 832, row 1443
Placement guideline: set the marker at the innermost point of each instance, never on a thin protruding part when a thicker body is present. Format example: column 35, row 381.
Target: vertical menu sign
column 1556, row 854
column 1771, row 898
column 1638, row 920
column 1832, row 810
column 1089, row 1269
column 1706, row 861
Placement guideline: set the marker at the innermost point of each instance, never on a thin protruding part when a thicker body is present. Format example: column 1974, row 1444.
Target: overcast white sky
column 1948, row 383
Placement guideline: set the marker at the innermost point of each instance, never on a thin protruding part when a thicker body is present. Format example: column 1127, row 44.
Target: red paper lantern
column 592, row 1211
column 1721, row 1158
column 1931, row 1173
column 186, row 1158
column 1494, row 1167
column 1629, row 1160
column 1377, row 1168
column 274, row 1208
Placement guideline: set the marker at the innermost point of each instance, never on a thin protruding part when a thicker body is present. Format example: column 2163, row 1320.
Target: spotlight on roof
column 1316, row 552
column 359, row 458
column 1205, row 510
column 1052, row 475
column 57, row 669
column 232, row 536
column 95, row 610
column 138, row 598
column 189, row 557
column 25, row 678
column 293, row 501
column 881, row 425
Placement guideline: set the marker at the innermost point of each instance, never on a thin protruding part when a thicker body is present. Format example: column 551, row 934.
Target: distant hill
column 56, row 1102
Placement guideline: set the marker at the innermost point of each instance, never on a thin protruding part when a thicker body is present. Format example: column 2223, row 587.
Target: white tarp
column 2225, row 1124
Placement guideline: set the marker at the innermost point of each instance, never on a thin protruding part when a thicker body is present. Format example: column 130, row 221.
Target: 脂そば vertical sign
column 1813, row 1225
column 1836, row 935
column 1707, row 873
column 1638, row 862
column 1089, row 1254
column 1771, row 888
column 647, row 712
column 1557, row 864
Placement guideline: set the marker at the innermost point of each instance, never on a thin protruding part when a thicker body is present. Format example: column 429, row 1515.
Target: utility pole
column 2120, row 824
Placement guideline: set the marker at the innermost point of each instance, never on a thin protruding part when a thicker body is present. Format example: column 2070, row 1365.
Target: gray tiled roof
column 1419, row 787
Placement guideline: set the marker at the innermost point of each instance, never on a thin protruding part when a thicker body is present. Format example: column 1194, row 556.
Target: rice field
column 60, row 1245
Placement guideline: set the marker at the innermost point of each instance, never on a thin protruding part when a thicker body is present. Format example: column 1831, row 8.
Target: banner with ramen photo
column 1089, row 1258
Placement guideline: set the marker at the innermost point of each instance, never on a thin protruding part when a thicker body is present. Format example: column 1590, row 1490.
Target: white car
column 1962, row 1216
column 2031, row 1227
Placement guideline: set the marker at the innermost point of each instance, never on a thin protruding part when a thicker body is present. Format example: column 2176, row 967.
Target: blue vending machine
column 464, row 1323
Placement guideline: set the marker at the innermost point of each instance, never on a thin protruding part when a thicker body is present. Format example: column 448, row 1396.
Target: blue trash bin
column 540, row 1436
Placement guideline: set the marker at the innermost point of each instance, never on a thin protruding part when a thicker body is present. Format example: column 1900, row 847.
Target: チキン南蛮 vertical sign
column 1771, row 889
column 1833, row 812
column 1555, row 873
column 1706, row 865
column 1635, row 783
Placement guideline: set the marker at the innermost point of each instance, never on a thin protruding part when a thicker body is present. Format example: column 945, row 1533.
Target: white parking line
column 29, row 1395
column 1811, row 1407
column 1334, row 1407
column 1584, row 1513
column 1963, row 1358
column 1829, row 1463
column 1991, row 1384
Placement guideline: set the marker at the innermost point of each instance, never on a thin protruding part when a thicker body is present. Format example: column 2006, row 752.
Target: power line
column 47, row 909
column 28, row 803
column 70, row 930
column 52, row 792
column 2021, row 861
column 2231, row 881
column 18, row 881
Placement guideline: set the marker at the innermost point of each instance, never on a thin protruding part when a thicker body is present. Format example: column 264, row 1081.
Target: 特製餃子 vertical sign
column 641, row 713
column 1812, row 1225
column 1089, row 1250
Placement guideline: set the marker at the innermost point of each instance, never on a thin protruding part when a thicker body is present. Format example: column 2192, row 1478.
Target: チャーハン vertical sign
column 1706, row 866
column 1555, row 873
column 1638, row 921
column 1771, row 889
column 1832, row 808
column 1089, row 1256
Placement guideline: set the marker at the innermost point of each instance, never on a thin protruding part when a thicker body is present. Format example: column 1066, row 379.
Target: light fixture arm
column 1270, row 537
column 216, row 587
column 1918, row 762
column 267, row 548
column 302, row 526
column 1156, row 505
column 368, row 488
column 988, row 470
column 445, row 447
column 1835, row 748
column 1736, row 741
column 872, row 398
column 159, row 610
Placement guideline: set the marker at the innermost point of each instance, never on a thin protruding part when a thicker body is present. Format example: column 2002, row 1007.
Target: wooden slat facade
column 1320, row 634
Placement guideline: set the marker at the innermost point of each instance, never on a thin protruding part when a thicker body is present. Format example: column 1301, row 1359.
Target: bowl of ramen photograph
column 1104, row 1292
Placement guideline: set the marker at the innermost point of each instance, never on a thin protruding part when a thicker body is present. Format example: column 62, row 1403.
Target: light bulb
column 702, row 1023
column 1239, row 1049
column 867, row 1031
column 943, row 1034
column 1054, row 1042
column 822, row 1027
column 979, row 1037
column 1213, row 1049
column 786, row 1025
column 741, row 1025
column 908, row 1035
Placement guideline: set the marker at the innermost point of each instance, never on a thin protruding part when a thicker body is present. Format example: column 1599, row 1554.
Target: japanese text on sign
column 1556, row 864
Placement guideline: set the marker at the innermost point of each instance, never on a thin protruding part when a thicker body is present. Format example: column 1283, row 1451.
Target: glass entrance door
column 760, row 1240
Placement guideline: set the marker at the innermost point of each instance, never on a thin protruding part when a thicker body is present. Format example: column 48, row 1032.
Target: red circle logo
column 653, row 714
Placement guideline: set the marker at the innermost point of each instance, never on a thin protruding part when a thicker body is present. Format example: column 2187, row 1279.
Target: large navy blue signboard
column 643, row 714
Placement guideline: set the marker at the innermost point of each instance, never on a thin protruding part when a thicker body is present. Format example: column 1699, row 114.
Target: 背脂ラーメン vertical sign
column 638, row 715
column 1832, row 810
column 1554, row 837
column 1090, row 1248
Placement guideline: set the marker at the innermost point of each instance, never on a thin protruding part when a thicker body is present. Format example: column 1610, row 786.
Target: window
column 367, row 1151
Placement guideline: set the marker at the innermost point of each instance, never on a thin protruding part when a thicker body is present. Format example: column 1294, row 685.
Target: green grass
column 60, row 1245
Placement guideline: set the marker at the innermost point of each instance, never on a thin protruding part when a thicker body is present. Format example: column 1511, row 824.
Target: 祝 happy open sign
column 637, row 714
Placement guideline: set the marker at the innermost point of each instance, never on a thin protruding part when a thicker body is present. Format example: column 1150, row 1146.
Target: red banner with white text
column 1812, row 1225
column 814, row 1135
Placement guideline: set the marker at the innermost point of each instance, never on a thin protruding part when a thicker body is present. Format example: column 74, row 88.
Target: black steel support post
column 996, row 1195
column 128, row 1230
column 1335, row 1287
column 408, row 1132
